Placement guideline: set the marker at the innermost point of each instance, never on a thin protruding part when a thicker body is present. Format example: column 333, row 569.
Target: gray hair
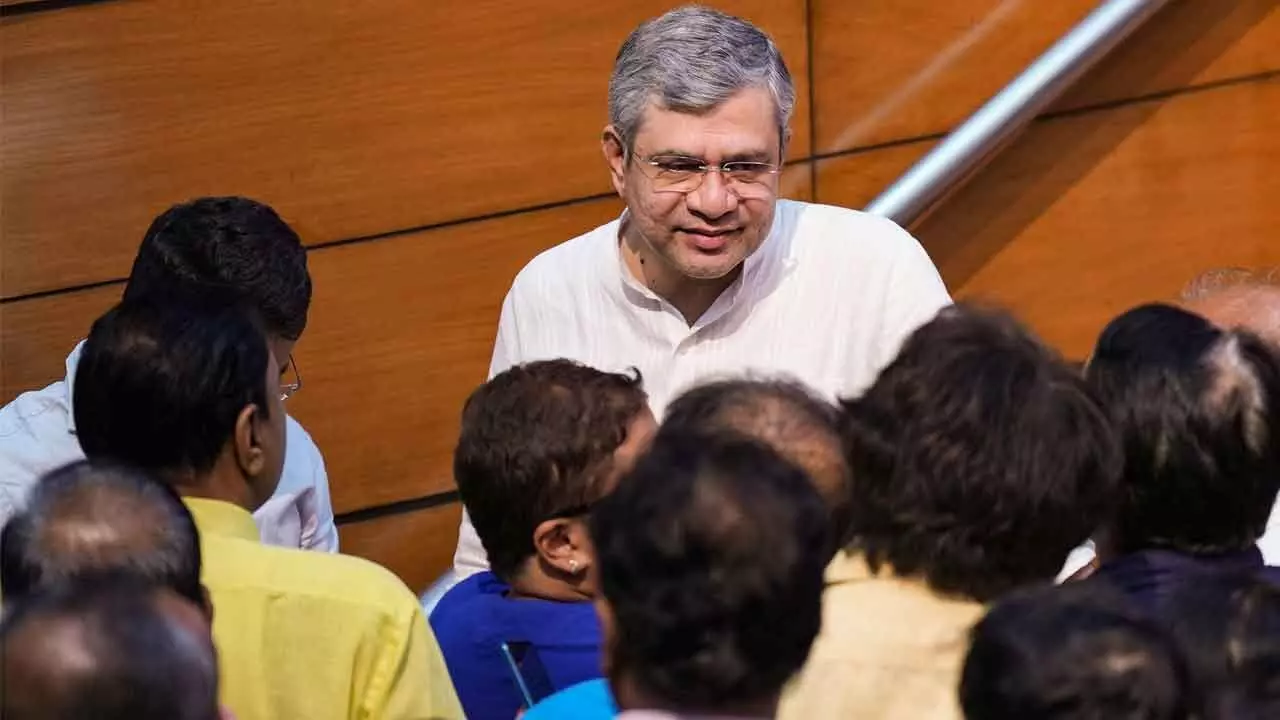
column 1212, row 282
column 693, row 59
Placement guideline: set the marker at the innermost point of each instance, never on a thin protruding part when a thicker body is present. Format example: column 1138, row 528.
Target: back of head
column 160, row 386
column 91, row 518
column 782, row 414
column 110, row 649
column 711, row 555
column 1195, row 408
column 231, row 243
column 1072, row 653
column 1228, row 626
column 538, row 442
column 693, row 59
column 979, row 459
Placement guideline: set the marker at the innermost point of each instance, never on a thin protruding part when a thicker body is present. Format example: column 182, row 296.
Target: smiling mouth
column 709, row 241
column 708, row 233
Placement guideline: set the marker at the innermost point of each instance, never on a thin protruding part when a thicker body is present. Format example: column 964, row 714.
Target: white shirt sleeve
column 915, row 295
column 323, row 535
column 300, row 512
column 506, row 347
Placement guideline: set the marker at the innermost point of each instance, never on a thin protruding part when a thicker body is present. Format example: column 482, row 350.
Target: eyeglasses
column 288, row 389
column 679, row 174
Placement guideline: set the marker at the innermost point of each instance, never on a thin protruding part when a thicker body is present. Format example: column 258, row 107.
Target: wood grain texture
column 350, row 118
column 1088, row 215
column 37, row 335
column 856, row 179
column 893, row 69
column 416, row 545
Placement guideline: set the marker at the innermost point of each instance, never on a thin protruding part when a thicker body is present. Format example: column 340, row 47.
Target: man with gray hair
column 707, row 272
column 90, row 518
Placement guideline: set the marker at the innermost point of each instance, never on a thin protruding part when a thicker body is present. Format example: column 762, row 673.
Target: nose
column 712, row 199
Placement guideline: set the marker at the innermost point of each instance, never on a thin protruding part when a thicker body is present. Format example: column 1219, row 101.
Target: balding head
column 784, row 415
column 95, row 518
column 1238, row 298
column 107, row 647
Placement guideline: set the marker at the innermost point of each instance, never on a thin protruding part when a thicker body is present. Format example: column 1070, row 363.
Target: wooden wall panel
column 416, row 545
column 855, row 179
column 350, row 118
column 1188, row 43
column 1087, row 215
column 37, row 335
column 892, row 69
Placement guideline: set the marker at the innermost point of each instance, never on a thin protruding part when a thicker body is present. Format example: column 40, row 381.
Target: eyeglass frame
column 704, row 168
column 288, row 390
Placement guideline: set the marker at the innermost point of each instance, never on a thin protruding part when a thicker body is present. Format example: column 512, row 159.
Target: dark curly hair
column 232, row 244
column 711, row 554
column 537, row 442
column 979, row 459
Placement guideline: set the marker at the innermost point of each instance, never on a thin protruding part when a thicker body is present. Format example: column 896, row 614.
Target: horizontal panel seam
column 399, row 507
column 1258, row 77
column 860, row 150
column 40, row 6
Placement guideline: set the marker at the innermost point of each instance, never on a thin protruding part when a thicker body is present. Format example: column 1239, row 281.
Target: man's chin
column 709, row 271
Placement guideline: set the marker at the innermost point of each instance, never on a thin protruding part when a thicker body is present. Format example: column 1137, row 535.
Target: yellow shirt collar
column 222, row 518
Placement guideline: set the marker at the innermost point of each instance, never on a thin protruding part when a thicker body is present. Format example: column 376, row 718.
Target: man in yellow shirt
column 189, row 391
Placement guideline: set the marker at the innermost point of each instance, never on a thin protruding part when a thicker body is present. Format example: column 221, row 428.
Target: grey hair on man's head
column 1212, row 282
column 693, row 59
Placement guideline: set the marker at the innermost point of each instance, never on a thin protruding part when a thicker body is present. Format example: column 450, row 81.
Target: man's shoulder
column 35, row 437
column 36, row 412
column 834, row 229
column 571, row 262
column 300, row 445
column 469, row 611
column 314, row 578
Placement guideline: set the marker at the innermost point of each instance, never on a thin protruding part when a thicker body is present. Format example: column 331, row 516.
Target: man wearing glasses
column 707, row 272
column 229, row 242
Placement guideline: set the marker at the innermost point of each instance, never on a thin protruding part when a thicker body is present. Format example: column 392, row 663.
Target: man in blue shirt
column 540, row 444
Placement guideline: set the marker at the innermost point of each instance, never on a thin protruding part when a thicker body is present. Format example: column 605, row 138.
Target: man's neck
column 214, row 485
column 691, row 296
column 531, row 582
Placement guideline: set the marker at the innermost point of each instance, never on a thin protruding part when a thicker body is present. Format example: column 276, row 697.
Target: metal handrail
column 976, row 140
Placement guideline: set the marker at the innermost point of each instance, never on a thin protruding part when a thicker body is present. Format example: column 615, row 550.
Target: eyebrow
column 744, row 156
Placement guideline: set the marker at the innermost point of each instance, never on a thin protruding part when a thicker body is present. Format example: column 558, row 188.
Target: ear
column 615, row 153
column 249, row 454
column 784, row 145
column 562, row 544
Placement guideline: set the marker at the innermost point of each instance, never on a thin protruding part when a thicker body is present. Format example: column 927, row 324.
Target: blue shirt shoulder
column 590, row 700
column 477, row 615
